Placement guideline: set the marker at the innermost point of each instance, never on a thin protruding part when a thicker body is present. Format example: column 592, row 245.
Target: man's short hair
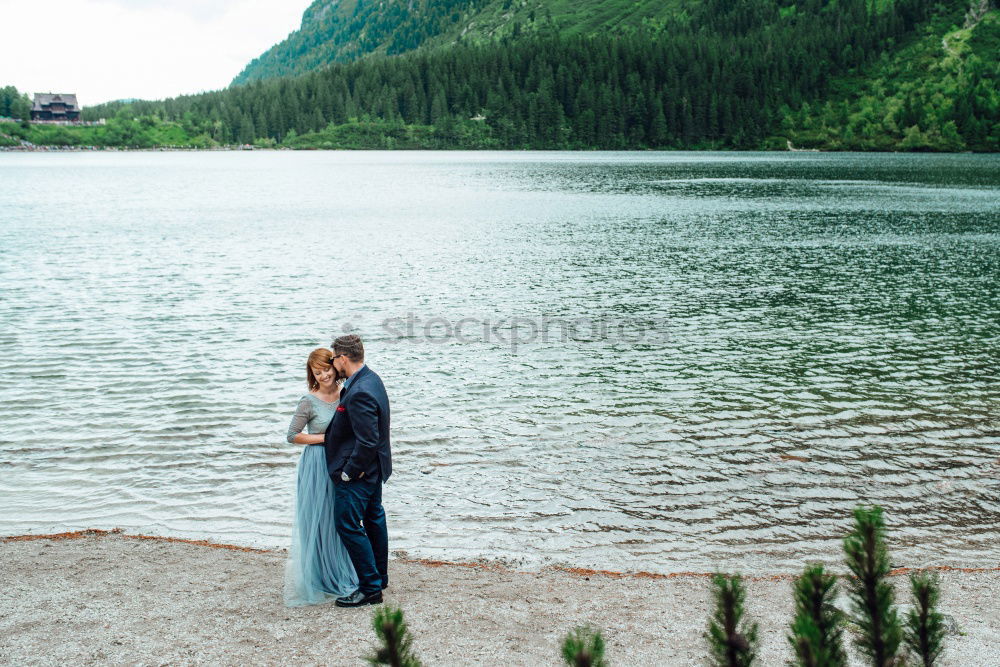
column 351, row 345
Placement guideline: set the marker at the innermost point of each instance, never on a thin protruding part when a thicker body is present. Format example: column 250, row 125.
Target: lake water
column 628, row 361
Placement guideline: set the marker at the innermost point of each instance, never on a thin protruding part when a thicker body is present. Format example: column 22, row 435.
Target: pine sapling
column 583, row 647
column 732, row 639
column 870, row 591
column 805, row 642
column 924, row 624
column 394, row 637
column 817, row 636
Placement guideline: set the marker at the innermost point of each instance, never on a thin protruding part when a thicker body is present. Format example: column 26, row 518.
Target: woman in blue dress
column 319, row 568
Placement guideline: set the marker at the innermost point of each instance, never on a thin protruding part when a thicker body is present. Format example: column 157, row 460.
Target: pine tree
column 870, row 591
column 247, row 132
column 924, row 624
column 658, row 126
column 394, row 637
column 817, row 638
column 583, row 647
column 732, row 638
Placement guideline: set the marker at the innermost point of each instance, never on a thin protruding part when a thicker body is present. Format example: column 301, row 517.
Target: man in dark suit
column 359, row 461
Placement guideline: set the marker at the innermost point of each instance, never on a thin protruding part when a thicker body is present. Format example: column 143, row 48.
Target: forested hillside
column 334, row 31
column 749, row 74
column 344, row 30
column 939, row 92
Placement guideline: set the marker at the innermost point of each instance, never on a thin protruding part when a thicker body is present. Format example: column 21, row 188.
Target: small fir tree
column 394, row 638
column 817, row 636
column 583, row 648
column 732, row 638
column 870, row 591
column 924, row 624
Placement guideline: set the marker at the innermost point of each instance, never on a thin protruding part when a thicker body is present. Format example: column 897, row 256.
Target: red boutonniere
column 341, row 408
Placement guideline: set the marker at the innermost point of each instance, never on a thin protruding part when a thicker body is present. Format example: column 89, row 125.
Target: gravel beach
column 109, row 598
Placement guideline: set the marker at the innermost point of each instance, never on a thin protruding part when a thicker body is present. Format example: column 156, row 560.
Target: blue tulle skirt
column 319, row 568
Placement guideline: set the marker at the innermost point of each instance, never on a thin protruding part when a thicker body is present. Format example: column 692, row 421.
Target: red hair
column 321, row 358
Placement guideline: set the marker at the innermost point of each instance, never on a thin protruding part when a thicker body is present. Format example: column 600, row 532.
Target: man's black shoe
column 358, row 599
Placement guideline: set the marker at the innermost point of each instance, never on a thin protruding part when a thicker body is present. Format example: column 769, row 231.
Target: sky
column 105, row 50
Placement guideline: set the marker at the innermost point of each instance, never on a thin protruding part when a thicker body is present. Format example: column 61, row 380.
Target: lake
column 623, row 361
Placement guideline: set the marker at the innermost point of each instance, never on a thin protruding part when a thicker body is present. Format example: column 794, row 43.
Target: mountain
column 937, row 91
column 706, row 74
column 340, row 31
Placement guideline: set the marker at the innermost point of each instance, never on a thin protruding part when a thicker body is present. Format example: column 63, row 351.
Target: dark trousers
column 368, row 546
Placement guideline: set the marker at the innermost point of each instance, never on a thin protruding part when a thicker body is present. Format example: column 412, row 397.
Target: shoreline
column 44, row 148
column 431, row 562
column 90, row 596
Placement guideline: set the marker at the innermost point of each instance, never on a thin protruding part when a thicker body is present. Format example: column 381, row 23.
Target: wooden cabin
column 55, row 106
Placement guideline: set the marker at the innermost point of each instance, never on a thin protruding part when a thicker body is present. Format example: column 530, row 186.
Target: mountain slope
column 939, row 91
column 344, row 30
column 717, row 74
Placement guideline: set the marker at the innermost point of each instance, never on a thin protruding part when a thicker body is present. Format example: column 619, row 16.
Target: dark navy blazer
column 357, row 438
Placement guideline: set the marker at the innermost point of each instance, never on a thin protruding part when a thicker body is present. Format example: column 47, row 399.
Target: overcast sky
column 111, row 49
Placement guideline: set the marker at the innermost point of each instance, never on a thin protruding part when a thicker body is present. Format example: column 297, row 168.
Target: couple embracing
column 340, row 544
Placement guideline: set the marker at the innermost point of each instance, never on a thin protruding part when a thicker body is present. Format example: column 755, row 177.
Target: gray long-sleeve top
column 311, row 412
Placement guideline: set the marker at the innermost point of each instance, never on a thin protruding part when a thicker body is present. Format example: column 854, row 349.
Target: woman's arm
column 309, row 439
column 303, row 413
